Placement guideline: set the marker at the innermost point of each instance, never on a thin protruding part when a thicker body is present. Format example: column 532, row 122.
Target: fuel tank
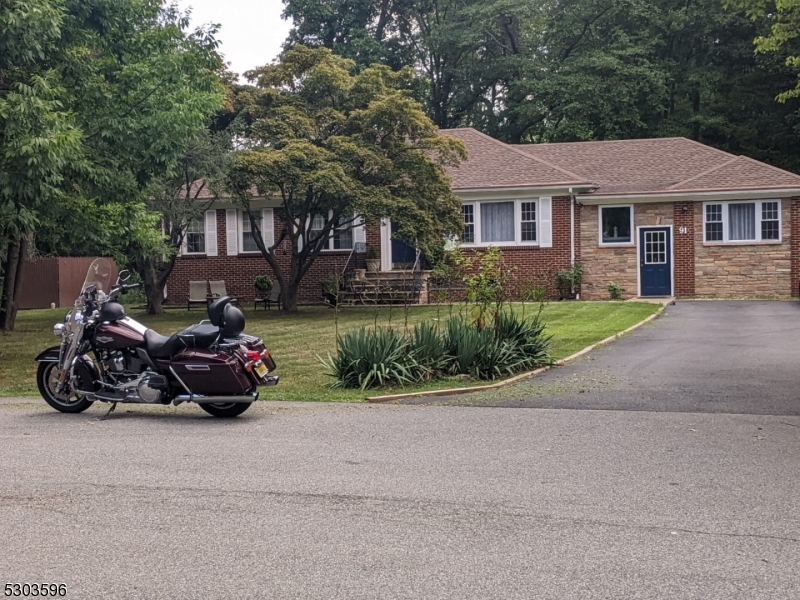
column 115, row 336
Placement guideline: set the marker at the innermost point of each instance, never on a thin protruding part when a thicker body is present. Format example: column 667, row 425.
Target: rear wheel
column 231, row 409
column 47, row 381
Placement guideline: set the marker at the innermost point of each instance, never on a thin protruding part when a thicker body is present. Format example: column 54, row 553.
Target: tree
column 783, row 18
column 96, row 99
column 332, row 145
column 174, row 200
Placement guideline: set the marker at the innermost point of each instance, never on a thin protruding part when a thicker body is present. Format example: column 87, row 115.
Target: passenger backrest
column 217, row 309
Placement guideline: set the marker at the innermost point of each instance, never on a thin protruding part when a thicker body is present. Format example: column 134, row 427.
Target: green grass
column 296, row 340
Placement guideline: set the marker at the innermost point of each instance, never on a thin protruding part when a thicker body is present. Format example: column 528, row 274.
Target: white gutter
column 594, row 199
column 572, row 235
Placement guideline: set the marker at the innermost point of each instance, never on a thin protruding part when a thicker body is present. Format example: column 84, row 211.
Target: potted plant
column 263, row 285
column 373, row 259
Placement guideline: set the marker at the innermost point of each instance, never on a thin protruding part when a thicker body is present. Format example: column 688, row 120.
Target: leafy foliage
column 380, row 357
column 330, row 143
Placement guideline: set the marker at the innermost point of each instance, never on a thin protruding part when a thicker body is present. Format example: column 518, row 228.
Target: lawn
column 297, row 340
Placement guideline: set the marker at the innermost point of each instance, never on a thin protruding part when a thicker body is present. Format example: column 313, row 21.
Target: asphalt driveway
column 708, row 357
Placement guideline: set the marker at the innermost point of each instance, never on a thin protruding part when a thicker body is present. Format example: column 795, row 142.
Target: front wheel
column 232, row 409
column 47, row 381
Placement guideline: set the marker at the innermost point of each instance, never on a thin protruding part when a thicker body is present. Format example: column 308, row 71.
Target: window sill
column 745, row 243
column 193, row 255
column 617, row 245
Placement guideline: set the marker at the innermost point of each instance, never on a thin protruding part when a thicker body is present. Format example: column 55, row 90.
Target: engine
column 132, row 379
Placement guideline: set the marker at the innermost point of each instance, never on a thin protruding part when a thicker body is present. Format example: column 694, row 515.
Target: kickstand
column 110, row 410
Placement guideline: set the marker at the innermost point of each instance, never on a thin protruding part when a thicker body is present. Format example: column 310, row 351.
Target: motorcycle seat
column 199, row 336
column 161, row 346
column 196, row 336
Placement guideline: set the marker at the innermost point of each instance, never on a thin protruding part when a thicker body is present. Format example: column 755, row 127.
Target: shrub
column 615, row 291
column 374, row 358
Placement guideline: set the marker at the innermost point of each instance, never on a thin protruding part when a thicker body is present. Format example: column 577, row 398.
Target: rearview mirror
column 123, row 276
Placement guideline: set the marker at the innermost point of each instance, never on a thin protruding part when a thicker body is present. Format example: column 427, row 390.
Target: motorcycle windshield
column 99, row 277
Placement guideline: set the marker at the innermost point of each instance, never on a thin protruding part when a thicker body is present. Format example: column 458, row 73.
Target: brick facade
column 240, row 271
column 700, row 270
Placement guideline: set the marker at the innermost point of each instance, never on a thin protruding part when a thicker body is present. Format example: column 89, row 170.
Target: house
column 658, row 217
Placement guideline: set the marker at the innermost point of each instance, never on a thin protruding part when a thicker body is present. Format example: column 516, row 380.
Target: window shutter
column 267, row 227
column 546, row 222
column 211, row 233
column 232, row 231
column 359, row 231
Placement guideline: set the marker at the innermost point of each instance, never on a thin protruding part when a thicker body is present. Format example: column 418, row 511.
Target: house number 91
column 683, row 230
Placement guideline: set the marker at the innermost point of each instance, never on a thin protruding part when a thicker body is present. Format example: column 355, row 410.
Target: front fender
column 49, row 355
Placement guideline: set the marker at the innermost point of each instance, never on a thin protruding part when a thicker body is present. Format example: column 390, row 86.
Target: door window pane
column 616, row 223
column 497, row 222
column 248, row 239
column 742, row 222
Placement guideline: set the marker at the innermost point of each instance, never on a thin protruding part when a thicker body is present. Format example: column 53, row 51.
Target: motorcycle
column 106, row 356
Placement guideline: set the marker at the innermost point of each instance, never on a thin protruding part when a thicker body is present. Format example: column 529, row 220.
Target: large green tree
column 97, row 97
column 331, row 144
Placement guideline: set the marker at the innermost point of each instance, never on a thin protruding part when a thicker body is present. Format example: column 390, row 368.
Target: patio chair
column 198, row 294
column 218, row 291
column 273, row 298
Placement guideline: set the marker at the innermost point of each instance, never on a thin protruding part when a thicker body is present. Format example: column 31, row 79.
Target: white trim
column 267, row 229
column 386, row 244
column 671, row 260
column 592, row 199
column 184, row 246
column 600, row 241
column 517, row 242
column 512, row 193
column 725, row 217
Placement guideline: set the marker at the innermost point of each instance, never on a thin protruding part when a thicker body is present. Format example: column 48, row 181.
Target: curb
column 522, row 376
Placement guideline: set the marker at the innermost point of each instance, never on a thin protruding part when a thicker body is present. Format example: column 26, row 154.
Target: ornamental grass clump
column 369, row 358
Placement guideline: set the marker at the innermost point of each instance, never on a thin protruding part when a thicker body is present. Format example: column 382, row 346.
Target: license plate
column 261, row 369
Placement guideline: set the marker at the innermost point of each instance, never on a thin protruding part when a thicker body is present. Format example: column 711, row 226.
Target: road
column 296, row 500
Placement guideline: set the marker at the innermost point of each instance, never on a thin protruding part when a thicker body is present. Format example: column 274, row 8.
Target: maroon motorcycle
column 106, row 356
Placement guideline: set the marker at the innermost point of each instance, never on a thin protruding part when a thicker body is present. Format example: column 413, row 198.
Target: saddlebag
column 211, row 373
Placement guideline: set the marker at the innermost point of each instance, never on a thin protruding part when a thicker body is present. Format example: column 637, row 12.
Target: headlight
column 58, row 329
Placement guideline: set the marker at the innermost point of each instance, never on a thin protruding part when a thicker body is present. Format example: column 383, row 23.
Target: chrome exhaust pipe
column 245, row 398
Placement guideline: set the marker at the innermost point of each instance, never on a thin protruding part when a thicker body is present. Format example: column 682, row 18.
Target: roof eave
column 692, row 195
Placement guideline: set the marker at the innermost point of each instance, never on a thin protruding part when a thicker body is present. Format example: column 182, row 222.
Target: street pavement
column 295, row 500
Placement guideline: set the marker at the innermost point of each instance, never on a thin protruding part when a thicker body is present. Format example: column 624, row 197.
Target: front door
column 655, row 261
column 403, row 255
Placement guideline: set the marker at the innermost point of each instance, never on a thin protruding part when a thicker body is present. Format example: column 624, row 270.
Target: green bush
column 376, row 358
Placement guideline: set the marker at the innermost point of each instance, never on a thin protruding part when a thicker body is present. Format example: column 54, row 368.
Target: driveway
column 706, row 357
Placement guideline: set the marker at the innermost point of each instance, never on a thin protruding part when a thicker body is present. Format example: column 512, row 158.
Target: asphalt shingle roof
column 493, row 164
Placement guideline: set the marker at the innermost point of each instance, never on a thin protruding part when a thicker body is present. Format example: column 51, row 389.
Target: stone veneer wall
column 744, row 270
column 619, row 264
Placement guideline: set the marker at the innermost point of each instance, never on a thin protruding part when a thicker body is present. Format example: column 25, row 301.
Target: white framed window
column 195, row 238
column 741, row 222
column 345, row 235
column 506, row 222
column 246, row 235
column 616, row 225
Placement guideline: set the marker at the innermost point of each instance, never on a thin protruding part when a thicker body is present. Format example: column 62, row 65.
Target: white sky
column 252, row 31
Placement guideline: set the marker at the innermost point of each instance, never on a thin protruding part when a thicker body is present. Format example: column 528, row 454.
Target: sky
column 252, row 31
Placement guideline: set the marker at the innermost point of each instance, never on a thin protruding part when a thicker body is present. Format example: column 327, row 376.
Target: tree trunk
column 289, row 298
column 155, row 296
column 15, row 265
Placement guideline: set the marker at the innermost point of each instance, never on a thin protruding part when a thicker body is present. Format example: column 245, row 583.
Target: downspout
column 572, row 236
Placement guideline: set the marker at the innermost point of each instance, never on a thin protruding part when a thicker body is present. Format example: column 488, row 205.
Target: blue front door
column 403, row 255
column 655, row 261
